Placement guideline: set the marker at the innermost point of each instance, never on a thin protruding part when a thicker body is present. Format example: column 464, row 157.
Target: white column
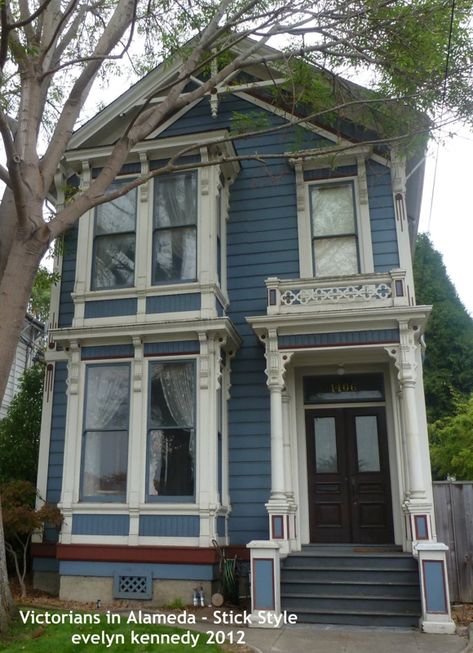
column 277, row 443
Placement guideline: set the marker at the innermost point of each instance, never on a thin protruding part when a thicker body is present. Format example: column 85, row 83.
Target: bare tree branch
column 29, row 19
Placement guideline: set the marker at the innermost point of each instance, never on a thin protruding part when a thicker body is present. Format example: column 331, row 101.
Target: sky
column 449, row 218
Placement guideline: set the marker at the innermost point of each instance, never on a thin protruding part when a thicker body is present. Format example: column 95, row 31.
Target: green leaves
column 451, row 442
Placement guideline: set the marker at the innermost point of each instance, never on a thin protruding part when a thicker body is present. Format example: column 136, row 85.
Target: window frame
column 153, row 231
column 334, row 183
column 96, row 237
column 103, row 498
column 150, row 499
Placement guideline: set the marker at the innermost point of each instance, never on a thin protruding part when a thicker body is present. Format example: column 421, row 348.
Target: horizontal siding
column 58, row 427
column 107, row 351
column 45, row 564
column 344, row 337
column 173, row 303
column 169, row 348
column 100, row 524
column 382, row 217
column 110, row 308
column 68, row 275
column 163, row 571
column 169, row 525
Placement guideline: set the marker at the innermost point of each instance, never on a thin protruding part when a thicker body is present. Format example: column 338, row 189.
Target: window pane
column 332, row 210
column 107, row 397
column 171, row 462
column 175, row 200
column 117, row 216
column 114, row 264
column 325, row 445
column 367, row 443
column 104, row 463
column 174, row 254
column 335, row 256
column 172, row 392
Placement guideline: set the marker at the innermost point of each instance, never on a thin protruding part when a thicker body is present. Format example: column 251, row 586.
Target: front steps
column 352, row 585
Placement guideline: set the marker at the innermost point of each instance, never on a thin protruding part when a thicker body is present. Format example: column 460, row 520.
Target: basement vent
column 128, row 585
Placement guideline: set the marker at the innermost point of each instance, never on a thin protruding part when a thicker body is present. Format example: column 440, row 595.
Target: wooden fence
column 454, row 517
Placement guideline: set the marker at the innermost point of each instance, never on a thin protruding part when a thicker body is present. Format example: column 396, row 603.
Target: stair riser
column 353, row 576
column 399, row 606
column 352, row 562
column 361, row 620
column 349, row 589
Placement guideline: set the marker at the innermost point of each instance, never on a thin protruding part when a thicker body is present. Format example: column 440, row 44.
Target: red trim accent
column 43, row 550
column 417, row 519
column 117, row 553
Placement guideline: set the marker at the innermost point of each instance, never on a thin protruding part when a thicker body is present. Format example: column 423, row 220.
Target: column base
column 282, row 522
column 438, row 627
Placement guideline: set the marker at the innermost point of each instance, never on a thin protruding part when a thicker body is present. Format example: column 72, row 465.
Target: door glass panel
column 325, row 445
column 367, row 443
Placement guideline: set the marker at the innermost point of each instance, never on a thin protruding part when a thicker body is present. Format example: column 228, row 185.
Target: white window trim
column 365, row 250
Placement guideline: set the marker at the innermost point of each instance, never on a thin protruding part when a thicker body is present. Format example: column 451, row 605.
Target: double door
column 348, row 476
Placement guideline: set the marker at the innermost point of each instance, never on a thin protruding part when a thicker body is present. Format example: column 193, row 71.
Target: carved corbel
column 73, row 368
column 204, row 369
column 144, row 188
column 138, row 365
column 300, row 198
column 404, row 354
column 85, row 176
column 362, row 181
column 276, row 361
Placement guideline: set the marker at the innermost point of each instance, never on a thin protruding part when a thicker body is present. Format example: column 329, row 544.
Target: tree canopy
column 448, row 364
column 451, row 443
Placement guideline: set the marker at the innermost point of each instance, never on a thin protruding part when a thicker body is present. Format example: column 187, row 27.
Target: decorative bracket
column 138, row 365
column 144, row 188
column 74, row 365
column 276, row 361
column 403, row 354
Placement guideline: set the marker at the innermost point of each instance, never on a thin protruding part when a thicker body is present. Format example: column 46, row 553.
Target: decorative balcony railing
column 336, row 293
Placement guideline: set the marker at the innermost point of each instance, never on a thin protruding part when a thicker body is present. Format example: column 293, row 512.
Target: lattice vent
column 128, row 586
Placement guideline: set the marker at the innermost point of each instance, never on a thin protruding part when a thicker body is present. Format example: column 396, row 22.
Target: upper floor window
column 171, row 430
column 114, row 242
column 105, row 434
column 175, row 228
column 334, row 229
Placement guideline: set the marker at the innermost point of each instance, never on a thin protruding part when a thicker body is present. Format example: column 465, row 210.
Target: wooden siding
column 68, row 275
column 58, row 425
column 339, row 338
column 110, row 308
column 178, row 347
column 169, row 525
column 173, row 303
column 382, row 217
column 100, row 524
column 107, row 351
column 454, row 518
column 164, row 571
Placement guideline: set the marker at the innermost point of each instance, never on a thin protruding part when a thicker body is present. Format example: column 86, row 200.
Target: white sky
column 451, row 220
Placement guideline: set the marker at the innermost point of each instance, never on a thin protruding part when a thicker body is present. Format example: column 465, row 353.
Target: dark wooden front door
column 348, row 476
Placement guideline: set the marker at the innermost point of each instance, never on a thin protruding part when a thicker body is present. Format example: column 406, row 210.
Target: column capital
column 276, row 361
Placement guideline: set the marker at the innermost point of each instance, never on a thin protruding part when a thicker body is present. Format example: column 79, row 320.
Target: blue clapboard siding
column 100, row 524
column 107, row 351
column 68, row 275
column 58, row 427
column 382, row 217
column 163, row 571
column 110, row 308
column 341, row 338
column 178, row 347
column 173, row 303
column 169, row 525
column 45, row 564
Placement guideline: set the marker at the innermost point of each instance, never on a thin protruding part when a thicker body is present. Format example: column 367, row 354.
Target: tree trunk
column 6, row 600
column 15, row 290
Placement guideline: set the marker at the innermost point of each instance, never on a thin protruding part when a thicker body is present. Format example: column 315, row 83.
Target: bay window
column 175, row 228
column 105, row 433
column 334, row 229
column 171, row 431
column 114, row 242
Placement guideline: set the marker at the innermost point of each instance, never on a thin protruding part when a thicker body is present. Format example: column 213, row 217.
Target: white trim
column 45, row 436
column 141, row 540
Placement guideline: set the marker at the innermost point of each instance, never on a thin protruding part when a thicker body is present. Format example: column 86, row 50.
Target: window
column 105, row 438
column 175, row 228
column 171, row 430
column 334, row 233
column 114, row 242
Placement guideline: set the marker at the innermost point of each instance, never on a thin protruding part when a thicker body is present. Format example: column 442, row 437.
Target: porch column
column 417, row 497
column 280, row 508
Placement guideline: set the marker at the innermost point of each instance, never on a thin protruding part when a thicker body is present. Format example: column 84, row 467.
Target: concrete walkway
column 324, row 639
column 344, row 639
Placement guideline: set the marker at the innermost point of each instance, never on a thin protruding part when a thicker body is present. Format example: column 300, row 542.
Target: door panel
column 348, row 476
